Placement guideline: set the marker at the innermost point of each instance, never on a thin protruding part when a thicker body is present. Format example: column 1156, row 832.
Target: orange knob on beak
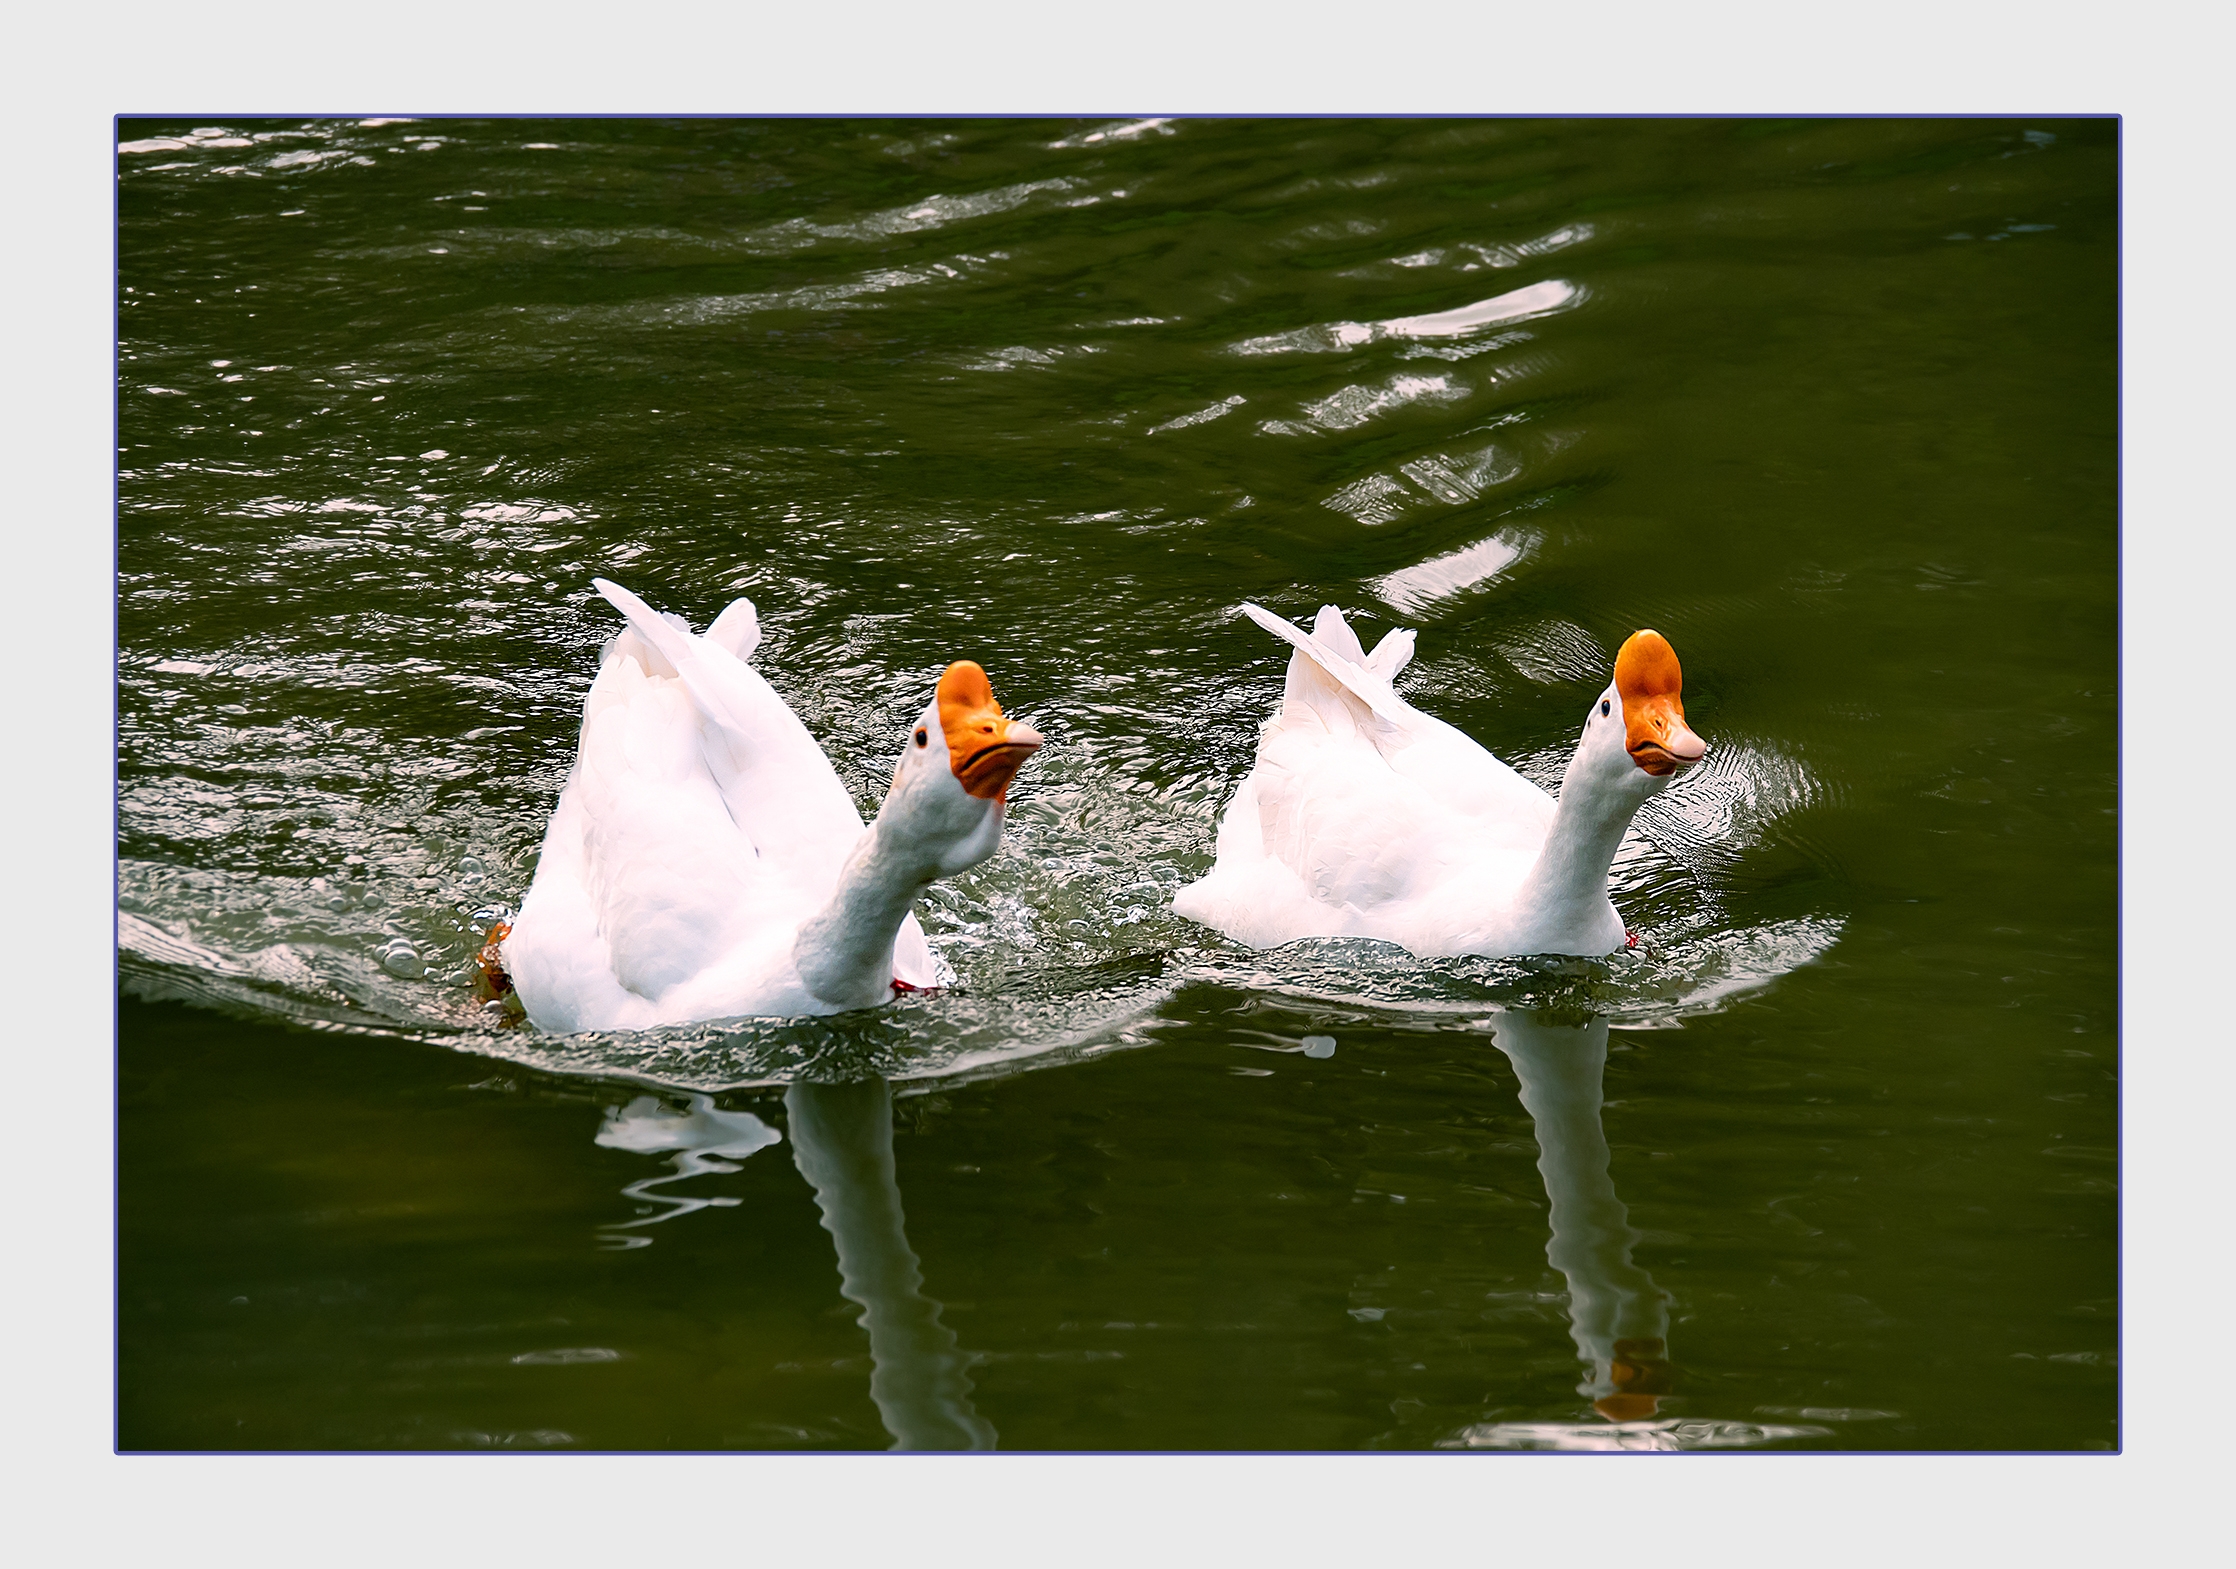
column 1654, row 729
column 984, row 748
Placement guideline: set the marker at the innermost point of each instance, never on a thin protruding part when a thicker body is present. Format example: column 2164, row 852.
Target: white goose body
column 1364, row 817
column 704, row 860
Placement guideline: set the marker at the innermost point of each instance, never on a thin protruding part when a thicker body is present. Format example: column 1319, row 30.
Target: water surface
column 1828, row 1162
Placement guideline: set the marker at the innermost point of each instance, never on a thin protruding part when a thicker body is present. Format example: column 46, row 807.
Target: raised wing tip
column 620, row 598
column 1369, row 688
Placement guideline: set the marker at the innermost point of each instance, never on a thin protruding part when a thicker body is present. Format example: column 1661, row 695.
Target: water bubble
column 1319, row 1045
column 470, row 870
column 398, row 957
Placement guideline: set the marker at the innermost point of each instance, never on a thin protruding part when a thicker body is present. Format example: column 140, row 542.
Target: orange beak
column 1654, row 728
column 984, row 748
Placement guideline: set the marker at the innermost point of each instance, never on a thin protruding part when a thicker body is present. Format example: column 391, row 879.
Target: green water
column 1831, row 404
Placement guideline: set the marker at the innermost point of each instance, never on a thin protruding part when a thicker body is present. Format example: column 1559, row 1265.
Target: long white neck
column 1566, row 891
column 844, row 952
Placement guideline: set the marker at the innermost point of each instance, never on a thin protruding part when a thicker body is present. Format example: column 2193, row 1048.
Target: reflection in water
column 842, row 1140
column 1617, row 1315
column 706, row 1140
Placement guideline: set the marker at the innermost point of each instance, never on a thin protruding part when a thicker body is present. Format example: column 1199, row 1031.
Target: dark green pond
column 1829, row 1162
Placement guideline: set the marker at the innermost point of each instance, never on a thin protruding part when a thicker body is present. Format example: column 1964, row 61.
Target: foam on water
column 1668, row 1435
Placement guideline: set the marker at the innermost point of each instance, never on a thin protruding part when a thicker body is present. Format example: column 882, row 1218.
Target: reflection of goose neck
column 842, row 1140
column 1618, row 1316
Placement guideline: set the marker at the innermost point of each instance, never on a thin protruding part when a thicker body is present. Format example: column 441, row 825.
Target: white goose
column 1365, row 817
column 705, row 862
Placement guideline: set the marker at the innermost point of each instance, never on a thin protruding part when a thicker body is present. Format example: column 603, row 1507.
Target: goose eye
column 921, row 737
column 1603, row 707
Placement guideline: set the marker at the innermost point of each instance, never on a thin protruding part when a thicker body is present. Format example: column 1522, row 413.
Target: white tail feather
column 1392, row 654
column 737, row 629
column 1353, row 676
column 778, row 785
column 1331, row 631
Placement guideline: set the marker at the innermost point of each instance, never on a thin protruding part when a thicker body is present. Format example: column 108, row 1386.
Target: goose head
column 1635, row 738
column 952, row 784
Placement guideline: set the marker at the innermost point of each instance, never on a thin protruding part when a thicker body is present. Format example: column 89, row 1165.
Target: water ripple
column 1667, row 1435
column 1341, row 337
